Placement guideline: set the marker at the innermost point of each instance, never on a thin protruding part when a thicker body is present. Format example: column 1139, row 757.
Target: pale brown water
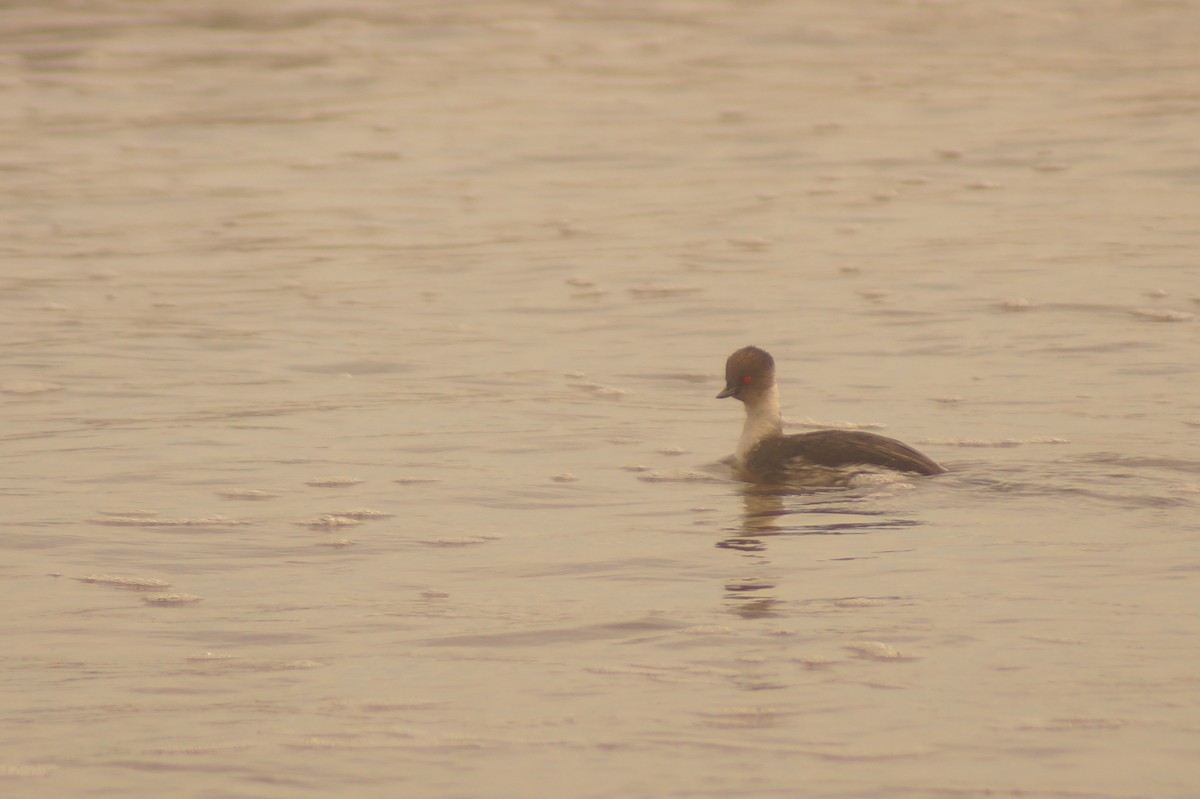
column 484, row 261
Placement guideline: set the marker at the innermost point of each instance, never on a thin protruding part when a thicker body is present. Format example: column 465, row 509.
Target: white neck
column 763, row 420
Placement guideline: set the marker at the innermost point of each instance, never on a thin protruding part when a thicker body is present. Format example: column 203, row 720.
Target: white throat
column 763, row 420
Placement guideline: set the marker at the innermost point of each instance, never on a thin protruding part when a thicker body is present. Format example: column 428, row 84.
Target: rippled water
column 358, row 418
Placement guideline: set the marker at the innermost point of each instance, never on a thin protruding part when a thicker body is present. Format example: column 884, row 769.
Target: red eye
column 747, row 379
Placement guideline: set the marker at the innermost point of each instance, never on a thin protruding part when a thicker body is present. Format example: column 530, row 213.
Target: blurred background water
column 357, row 392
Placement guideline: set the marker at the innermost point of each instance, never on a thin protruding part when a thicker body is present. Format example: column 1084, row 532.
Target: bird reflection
column 771, row 512
column 817, row 512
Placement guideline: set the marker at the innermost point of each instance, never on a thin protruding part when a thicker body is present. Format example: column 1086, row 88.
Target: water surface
column 358, row 418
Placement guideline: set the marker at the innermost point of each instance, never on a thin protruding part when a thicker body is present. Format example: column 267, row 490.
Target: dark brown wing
column 774, row 458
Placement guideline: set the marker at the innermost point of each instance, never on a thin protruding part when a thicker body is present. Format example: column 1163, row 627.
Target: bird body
column 765, row 454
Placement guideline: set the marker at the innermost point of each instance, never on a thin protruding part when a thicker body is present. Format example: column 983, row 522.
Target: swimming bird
column 765, row 454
